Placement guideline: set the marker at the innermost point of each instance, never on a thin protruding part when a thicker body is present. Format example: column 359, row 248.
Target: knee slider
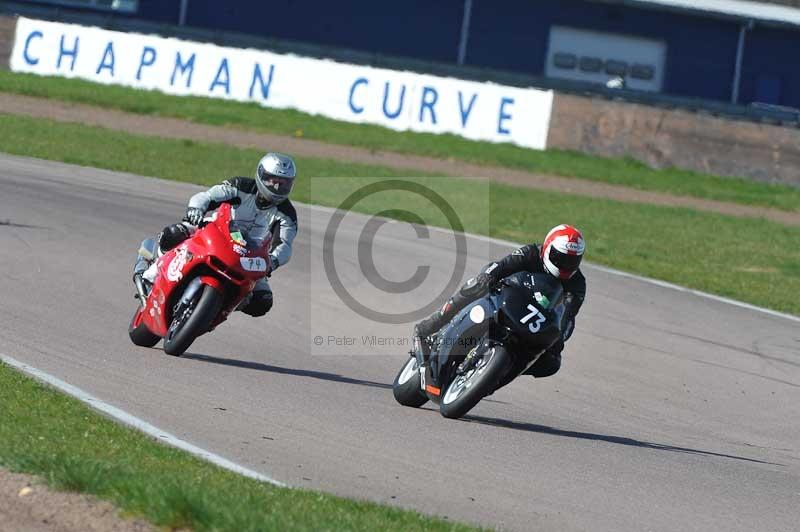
column 548, row 364
column 259, row 305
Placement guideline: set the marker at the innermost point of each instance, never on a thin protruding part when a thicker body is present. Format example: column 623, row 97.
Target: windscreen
column 239, row 234
column 545, row 289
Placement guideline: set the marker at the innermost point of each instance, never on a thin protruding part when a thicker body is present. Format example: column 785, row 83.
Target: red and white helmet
column 562, row 251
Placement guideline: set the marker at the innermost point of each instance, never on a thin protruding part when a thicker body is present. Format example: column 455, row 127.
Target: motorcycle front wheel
column 466, row 390
column 192, row 320
column 139, row 333
column 407, row 385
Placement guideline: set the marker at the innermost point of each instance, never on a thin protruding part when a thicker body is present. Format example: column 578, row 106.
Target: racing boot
column 422, row 347
column 146, row 255
column 144, row 261
column 425, row 331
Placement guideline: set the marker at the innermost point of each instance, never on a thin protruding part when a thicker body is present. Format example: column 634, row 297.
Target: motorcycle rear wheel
column 466, row 391
column 139, row 333
column 406, row 386
column 192, row 321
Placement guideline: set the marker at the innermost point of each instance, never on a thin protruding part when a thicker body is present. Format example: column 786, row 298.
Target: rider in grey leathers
column 261, row 206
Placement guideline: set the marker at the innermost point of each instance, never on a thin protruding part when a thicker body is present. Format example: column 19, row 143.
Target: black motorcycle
column 486, row 346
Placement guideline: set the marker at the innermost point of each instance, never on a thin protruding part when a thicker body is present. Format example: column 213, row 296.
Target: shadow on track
column 9, row 223
column 334, row 377
column 619, row 440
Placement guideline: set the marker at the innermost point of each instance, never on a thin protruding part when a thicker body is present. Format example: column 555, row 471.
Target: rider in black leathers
column 559, row 255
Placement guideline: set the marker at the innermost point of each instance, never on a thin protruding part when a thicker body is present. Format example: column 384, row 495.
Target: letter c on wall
column 28, row 59
column 360, row 81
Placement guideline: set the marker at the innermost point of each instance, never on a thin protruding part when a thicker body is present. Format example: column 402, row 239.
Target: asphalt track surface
column 671, row 412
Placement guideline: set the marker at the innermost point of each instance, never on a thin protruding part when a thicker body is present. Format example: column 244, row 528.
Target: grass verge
column 46, row 433
column 627, row 172
column 750, row 260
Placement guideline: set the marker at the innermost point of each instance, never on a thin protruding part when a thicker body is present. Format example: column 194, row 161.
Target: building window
column 566, row 61
column 616, row 68
column 646, row 72
column 591, row 64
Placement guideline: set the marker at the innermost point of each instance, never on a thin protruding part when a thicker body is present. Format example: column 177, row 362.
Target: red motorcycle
column 198, row 284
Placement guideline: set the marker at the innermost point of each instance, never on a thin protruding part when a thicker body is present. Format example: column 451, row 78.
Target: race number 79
column 534, row 326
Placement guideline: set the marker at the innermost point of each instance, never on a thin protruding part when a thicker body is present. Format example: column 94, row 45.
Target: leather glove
column 194, row 215
column 273, row 261
column 477, row 285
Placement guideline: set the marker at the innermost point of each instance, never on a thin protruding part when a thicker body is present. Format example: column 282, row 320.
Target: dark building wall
column 701, row 58
column 770, row 70
column 509, row 35
column 421, row 29
column 165, row 11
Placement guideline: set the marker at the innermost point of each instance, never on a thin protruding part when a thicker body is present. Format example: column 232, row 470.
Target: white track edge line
column 612, row 271
column 136, row 423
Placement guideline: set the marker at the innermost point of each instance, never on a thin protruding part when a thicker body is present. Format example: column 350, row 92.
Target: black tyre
column 406, row 386
column 192, row 320
column 466, row 391
column 139, row 333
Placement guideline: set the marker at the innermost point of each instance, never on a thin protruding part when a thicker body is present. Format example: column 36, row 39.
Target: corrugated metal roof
column 757, row 11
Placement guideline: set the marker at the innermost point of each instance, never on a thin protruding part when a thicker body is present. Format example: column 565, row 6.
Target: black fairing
column 535, row 319
column 513, row 314
column 461, row 335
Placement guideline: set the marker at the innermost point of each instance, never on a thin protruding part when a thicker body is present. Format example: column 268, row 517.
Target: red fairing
column 219, row 260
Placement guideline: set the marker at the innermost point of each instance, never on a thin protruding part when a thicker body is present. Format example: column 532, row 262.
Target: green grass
column 627, row 172
column 746, row 259
column 46, row 433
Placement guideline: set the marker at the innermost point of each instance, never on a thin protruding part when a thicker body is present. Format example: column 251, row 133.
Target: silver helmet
column 275, row 176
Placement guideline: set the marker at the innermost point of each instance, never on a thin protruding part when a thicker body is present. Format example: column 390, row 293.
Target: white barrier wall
column 394, row 99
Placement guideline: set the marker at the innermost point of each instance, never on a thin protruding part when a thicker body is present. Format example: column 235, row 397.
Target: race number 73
column 536, row 325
